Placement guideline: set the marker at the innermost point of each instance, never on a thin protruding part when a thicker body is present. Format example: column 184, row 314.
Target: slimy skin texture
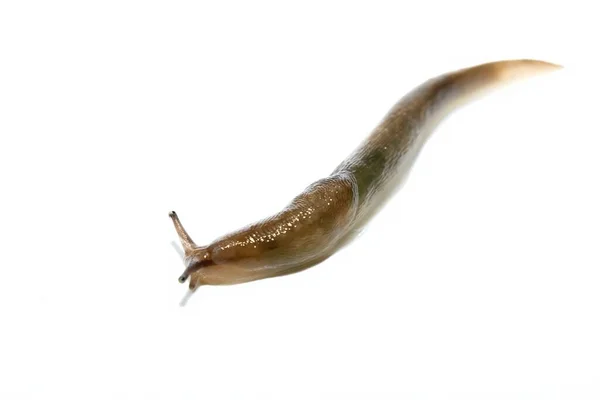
column 327, row 213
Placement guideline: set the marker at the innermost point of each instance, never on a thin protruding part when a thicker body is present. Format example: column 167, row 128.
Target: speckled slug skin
column 320, row 219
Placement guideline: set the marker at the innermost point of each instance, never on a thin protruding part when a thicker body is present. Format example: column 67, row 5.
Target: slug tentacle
column 323, row 217
column 195, row 257
column 186, row 241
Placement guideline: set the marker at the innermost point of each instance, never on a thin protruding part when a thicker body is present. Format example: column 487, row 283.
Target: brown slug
column 319, row 220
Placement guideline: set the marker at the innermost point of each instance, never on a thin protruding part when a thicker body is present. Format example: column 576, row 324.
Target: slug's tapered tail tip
column 555, row 66
column 516, row 69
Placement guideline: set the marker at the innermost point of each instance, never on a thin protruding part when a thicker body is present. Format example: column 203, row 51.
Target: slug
column 327, row 213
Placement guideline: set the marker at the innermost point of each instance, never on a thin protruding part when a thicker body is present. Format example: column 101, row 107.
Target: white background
column 479, row 280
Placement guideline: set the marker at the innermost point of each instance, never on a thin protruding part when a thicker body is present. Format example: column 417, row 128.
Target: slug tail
column 465, row 85
column 513, row 70
column 382, row 163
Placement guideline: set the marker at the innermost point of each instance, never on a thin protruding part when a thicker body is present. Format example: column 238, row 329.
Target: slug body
column 317, row 221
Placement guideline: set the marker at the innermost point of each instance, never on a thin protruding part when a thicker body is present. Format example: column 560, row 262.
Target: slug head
column 195, row 257
column 307, row 229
